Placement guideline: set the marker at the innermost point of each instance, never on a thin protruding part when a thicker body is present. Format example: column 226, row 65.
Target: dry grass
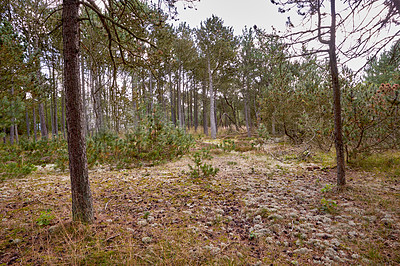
column 160, row 216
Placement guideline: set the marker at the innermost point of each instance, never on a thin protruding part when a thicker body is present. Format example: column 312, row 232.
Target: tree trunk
column 34, row 124
column 246, row 108
column 134, row 102
column 196, row 110
column 190, row 101
column 97, row 101
column 52, row 111
column 42, row 118
column 85, row 115
column 55, row 103
column 16, row 133
column 179, row 96
column 205, row 126
column 63, row 112
column 82, row 208
column 212, row 104
column 172, row 99
column 183, row 97
column 341, row 180
column 12, row 133
column 28, row 133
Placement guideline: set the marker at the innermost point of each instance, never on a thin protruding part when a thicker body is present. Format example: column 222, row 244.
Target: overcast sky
column 235, row 13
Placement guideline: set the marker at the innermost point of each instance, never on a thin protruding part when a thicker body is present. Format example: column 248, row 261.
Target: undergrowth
column 388, row 163
column 153, row 140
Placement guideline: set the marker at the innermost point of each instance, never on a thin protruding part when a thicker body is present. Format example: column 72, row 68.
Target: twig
column 276, row 158
column 105, row 207
column 112, row 237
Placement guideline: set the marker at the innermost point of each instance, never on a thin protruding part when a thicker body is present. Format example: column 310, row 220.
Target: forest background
column 140, row 73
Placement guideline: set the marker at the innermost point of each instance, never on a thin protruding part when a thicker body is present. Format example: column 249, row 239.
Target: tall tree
column 361, row 29
column 82, row 206
column 314, row 7
column 218, row 45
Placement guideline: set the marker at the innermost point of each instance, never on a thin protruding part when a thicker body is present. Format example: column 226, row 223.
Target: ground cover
column 263, row 206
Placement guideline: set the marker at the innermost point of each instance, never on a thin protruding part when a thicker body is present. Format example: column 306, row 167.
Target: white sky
column 235, row 13
column 264, row 14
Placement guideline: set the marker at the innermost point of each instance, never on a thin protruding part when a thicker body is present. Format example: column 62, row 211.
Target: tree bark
column 55, row 113
column 179, row 96
column 172, row 98
column 196, row 109
column 16, row 133
column 212, row 104
column 99, row 123
column 341, row 180
column 205, row 126
column 246, row 108
column 12, row 132
column 42, row 118
column 34, row 124
column 82, row 207
column 63, row 112
column 27, row 124
column 85, row 115
column 52, row 111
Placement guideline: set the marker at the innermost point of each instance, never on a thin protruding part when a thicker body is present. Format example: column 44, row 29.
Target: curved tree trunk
column 82, row 209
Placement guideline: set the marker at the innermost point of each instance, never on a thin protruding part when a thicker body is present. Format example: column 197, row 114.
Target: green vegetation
column 386, row 162
column 45, row 218
column 328, row 205
column 201, row 168
column 227, row 145
column 152, row 141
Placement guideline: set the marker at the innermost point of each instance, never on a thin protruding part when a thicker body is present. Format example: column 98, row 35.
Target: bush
column 153, row 140
column 200, row 168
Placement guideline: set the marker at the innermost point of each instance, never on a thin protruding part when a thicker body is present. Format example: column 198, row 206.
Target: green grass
column 388, row 163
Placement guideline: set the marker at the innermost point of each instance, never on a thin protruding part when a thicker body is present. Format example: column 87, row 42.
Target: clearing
column 264, row 206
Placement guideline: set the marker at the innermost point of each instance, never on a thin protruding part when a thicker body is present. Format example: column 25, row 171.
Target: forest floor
column 263, row 207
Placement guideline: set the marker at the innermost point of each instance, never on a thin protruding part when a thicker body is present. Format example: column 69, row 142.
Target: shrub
column 200, row 168
column 152, row 140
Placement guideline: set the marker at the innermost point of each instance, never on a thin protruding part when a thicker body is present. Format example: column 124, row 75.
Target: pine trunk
column 34, row 124
column 42, row 118
column 172, row 99
column 205, row 126
column 16, row 133
column 28, row 133
column 246, row 110
column 212, row 105
column 55, row 103
column 196, row 110
column 82, row 207
column 85, row 116
column 178, row 99
column 341, row 179
column 63, row 112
